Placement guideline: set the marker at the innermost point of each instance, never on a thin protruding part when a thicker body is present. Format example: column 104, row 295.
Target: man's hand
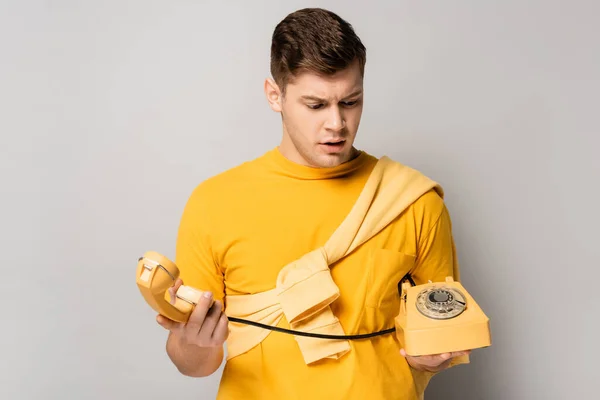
column 432, row 363
column 206, row 327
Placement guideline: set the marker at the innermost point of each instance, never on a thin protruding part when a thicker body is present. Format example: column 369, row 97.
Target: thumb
column 177, row 283
column 173, row 291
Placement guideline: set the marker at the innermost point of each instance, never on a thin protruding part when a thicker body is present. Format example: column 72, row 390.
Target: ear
column 273, row 94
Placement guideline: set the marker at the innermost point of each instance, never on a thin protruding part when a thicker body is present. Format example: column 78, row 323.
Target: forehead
column 335, row 86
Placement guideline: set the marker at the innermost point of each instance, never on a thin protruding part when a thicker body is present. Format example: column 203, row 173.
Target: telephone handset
column 440, row 317
column 155, row 275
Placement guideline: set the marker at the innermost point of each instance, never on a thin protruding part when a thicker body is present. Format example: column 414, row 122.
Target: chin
column 320, row 157
column 331, row 159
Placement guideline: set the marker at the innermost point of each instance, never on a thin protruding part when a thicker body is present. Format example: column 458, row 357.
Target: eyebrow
column 316, row 98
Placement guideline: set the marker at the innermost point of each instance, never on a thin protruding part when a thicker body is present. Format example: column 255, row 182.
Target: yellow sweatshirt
column 241, row 227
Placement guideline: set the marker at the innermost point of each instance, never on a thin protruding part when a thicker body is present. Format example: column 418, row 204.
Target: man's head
column 317, row 64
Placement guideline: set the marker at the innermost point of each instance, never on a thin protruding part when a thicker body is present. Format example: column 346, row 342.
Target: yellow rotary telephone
column 440, row 317
column 434, row 318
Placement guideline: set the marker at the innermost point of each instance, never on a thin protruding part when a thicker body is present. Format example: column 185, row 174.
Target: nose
column 335, row 120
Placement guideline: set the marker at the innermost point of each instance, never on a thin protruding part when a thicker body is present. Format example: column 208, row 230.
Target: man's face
column 320, row 115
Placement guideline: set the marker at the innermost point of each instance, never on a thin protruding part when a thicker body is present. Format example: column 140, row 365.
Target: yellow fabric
column 305, row 288
column 241, row 227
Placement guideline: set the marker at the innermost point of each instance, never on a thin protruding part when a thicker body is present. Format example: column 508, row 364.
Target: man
column 242, row 226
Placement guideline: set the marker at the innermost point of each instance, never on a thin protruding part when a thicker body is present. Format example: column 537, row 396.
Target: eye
column 350, row 103
column 315, row 106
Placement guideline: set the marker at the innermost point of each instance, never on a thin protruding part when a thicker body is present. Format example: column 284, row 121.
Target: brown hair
column 315, row 40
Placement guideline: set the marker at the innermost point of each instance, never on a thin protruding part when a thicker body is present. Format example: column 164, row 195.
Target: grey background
column 113, row 111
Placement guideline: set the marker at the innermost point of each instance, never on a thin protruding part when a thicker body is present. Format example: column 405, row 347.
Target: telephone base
column 440, row 317
column 445, row 339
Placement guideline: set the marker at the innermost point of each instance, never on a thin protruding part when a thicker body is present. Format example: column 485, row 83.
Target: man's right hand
column 206, row 327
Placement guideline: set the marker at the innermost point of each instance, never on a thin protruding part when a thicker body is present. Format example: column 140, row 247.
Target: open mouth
column 335, row 143
column 333, row 146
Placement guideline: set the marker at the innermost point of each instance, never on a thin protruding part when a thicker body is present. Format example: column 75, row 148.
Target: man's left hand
column 432, row 363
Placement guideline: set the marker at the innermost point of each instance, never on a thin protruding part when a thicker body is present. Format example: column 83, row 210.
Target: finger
column 428, row 359
column 201, row 309
column 403, row 353
column 173, row 290
column 196, row 319
column 221, row 331
column 167, row 323
column 460, row 353
column 431, row 360
column 441, row 366
column 436, row 358
column 433, row 365
column 210, row 322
